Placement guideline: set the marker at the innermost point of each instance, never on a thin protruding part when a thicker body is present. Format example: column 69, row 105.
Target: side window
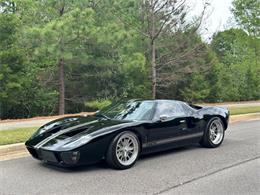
column 169, row 108
column 187, row 109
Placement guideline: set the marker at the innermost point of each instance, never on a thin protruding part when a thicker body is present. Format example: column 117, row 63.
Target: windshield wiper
column 102, row 116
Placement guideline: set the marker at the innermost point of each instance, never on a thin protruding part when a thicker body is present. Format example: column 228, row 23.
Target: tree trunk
column 256, row 52
column 61, row 87
column 153, row 70
column 61, row 74
column 153, row 53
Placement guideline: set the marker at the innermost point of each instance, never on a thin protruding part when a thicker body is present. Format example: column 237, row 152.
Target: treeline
column 70, row 56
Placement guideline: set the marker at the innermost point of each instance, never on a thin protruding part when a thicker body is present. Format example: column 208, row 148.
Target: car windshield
column 130, row 110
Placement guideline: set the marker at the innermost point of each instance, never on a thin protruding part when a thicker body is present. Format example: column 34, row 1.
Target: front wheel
column 214, row 133
column 123, row 150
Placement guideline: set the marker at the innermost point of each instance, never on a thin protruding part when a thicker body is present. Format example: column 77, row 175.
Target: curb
column 12, row 151
column 18, row 150
column 244, row 117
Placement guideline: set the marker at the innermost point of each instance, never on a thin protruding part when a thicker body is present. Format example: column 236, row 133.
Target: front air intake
column 74, row 132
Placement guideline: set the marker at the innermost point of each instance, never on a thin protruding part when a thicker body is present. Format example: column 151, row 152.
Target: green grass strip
column 18, row 135
column 244, row 110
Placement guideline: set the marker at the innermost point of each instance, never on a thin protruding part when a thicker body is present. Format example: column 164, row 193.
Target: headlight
column 77, row 143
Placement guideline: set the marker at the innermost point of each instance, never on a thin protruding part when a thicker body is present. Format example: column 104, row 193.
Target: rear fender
column 214, row 111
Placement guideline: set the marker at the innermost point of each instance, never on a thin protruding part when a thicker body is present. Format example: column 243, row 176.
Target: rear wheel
column 214, row 133
column 123, row 150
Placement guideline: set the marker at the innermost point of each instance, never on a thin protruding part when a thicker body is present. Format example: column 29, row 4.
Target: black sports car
column 126, row 129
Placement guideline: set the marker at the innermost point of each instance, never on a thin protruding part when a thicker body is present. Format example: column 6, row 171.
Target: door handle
column 182, row 121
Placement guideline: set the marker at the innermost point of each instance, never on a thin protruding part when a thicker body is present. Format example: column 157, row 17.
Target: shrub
column 98, row 104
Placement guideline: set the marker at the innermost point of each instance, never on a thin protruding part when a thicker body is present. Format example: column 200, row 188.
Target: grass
column 244, row 110
column 17, row 135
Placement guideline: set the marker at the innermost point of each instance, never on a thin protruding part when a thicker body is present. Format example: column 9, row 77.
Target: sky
column 218, row 17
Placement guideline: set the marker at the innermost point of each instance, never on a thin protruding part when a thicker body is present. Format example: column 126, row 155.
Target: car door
column 169, row 123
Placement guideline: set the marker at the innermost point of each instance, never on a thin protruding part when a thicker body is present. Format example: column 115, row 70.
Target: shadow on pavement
column 103, row 166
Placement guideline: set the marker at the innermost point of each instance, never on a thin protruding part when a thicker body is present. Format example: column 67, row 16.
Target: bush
column 98, row 104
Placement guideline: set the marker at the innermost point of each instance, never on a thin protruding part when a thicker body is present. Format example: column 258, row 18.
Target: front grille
column 43, row 154
column 48, row 156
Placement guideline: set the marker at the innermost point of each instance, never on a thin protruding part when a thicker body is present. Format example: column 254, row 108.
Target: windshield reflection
column 130, row 110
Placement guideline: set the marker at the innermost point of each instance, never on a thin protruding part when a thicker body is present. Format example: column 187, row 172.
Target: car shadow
column 103, row 166
column 169, row 152
column 88, row 168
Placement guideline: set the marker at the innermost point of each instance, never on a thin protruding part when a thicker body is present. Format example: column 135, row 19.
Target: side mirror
column 163, row 118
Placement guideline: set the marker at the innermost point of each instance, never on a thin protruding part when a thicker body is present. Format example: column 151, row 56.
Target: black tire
column 111, row 157
column 206, row 141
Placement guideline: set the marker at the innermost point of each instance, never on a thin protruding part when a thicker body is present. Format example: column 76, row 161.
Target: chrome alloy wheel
column 216, row 132
column 127, row 149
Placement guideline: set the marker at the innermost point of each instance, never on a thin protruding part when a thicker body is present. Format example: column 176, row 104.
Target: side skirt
column 171, row 143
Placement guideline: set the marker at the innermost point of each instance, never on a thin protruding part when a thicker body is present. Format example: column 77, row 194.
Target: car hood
column 54, row 135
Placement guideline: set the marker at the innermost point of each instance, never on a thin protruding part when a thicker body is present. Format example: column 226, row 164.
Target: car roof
column 156, row 100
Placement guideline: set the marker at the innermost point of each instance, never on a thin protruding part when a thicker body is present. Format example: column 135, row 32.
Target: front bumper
column 84, row 155
column 60, row 158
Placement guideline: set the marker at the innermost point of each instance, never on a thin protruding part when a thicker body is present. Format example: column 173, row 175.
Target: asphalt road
column 232, row 168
